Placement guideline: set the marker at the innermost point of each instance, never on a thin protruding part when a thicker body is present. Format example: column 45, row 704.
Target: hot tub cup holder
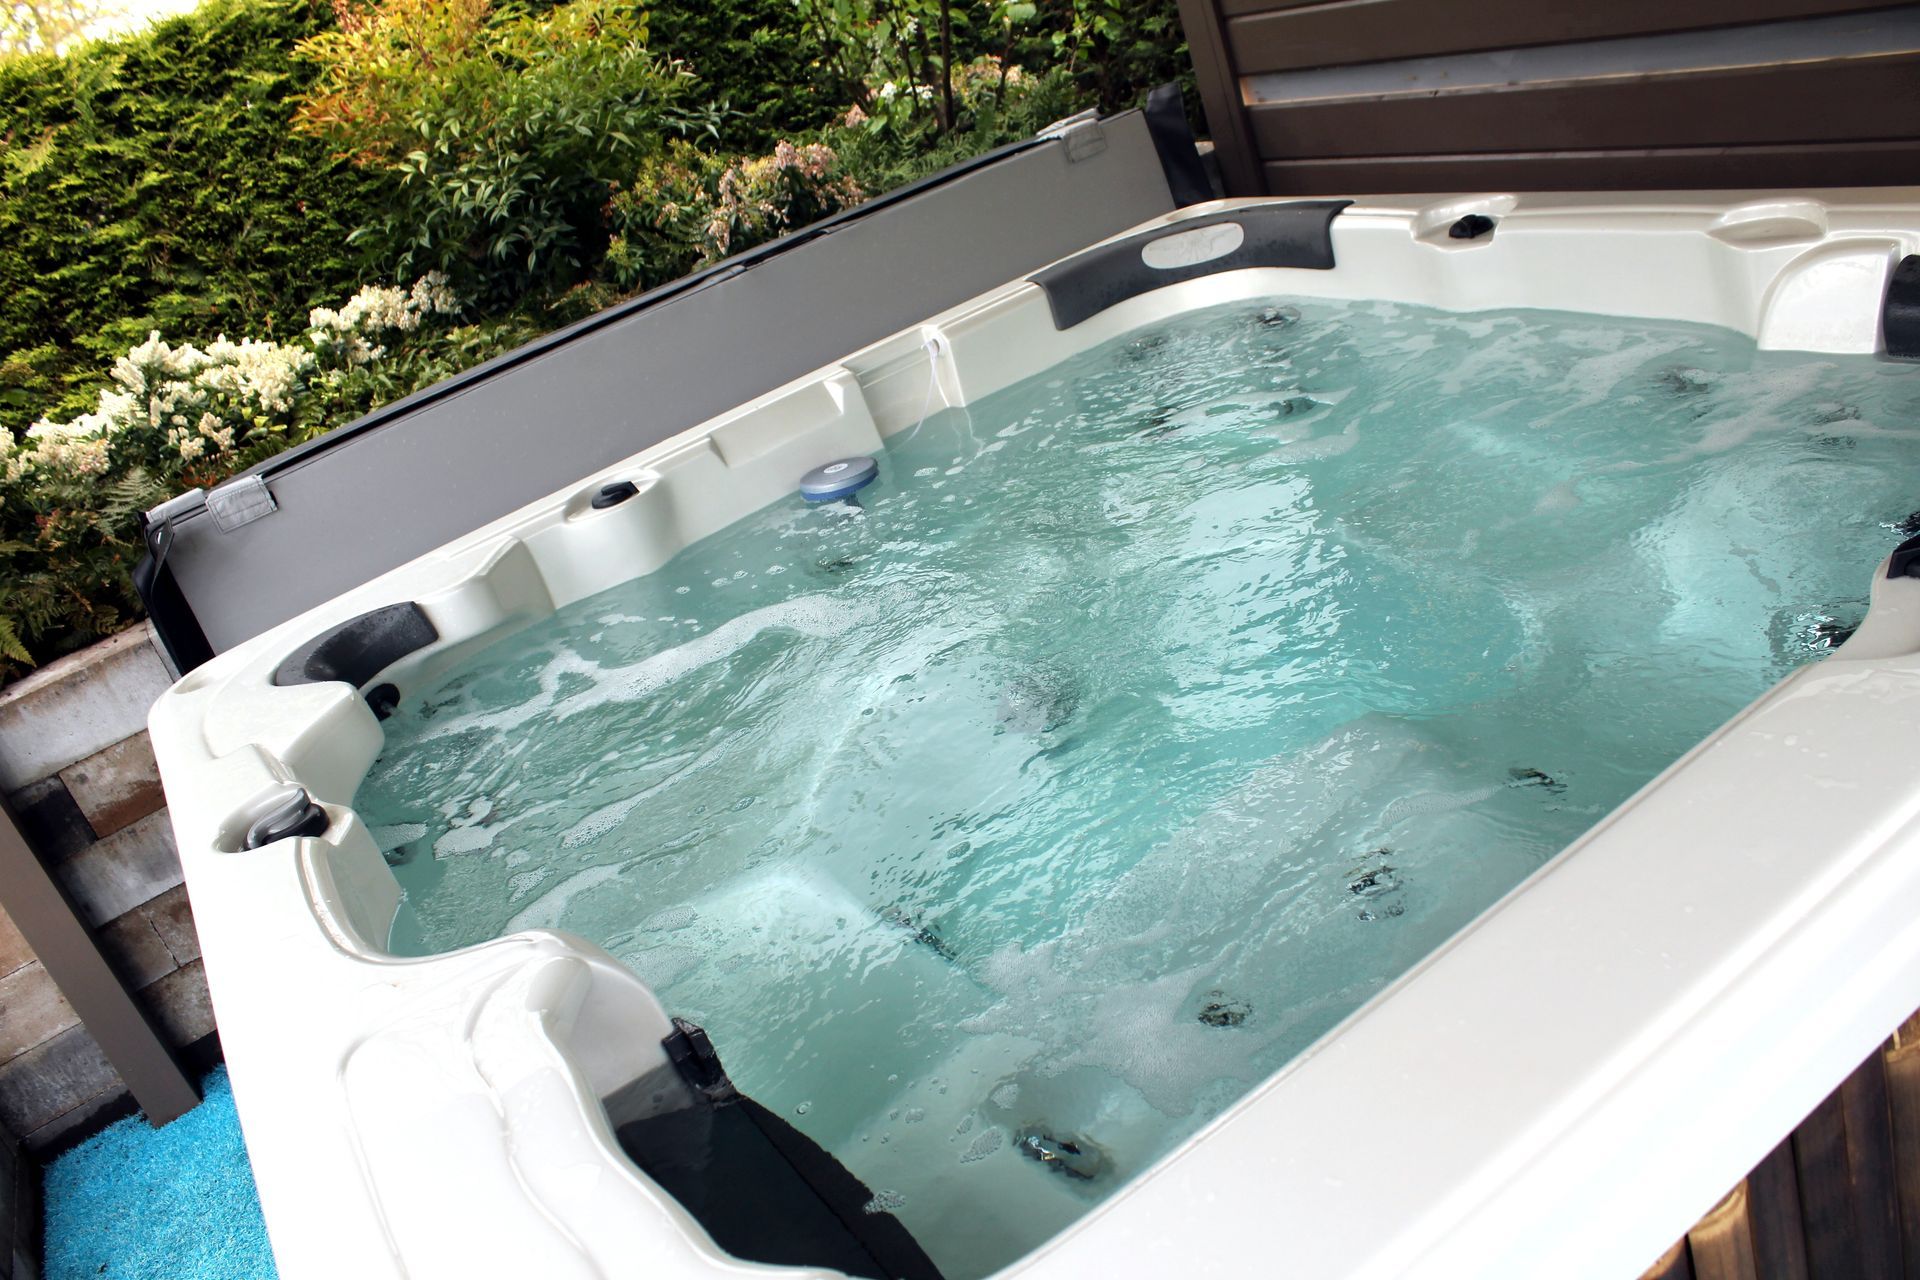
column 607, row 493
column 1470, row 223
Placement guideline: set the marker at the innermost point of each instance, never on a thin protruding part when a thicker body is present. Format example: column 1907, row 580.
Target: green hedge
column 152, row 182
column 756, row 58
column 156, row 182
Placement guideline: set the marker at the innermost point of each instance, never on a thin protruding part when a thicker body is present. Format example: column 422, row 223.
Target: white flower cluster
column 888, row 91
column 79, row 446
column 378, row 309
column 198, row 400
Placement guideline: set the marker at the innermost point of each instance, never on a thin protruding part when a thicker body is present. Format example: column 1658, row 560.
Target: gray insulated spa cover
column 331, row 514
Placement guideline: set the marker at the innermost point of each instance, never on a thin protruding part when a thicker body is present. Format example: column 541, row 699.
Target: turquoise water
column 1152, row 715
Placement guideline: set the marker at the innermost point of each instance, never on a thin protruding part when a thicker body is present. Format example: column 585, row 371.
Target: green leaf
column 11, row 646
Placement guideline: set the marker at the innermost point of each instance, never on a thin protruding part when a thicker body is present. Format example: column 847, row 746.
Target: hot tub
column 1560, row 1088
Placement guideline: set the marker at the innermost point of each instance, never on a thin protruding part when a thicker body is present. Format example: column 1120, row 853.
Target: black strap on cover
column 1900, row 312
column 173, row 618
column 1172, row 137
column 1296, row 233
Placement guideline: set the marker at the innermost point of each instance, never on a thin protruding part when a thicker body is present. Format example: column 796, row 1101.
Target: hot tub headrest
column 1294, row 233
column 360, row 648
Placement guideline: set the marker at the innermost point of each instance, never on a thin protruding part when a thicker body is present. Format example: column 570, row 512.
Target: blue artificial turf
column 137, row 1202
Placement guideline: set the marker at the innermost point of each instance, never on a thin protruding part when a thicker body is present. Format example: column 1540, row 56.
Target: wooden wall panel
column 1779, row 1239
column 1675, row 1264
column 1826, row 1205
column 1721, row 1244
column 1870, row 1170
column 1862, row 164
column 1839, row 1199
column 1903, row 1100
column 1220, row 97
column 1824, row 100
column 1270, row 38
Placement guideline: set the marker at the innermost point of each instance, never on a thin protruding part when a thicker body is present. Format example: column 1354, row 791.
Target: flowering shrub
column 204, row 176
column 174, row 417
column 905, row 62
column 170, row 408
column 1000, row 103
column 343, row 334
column 151, row 181
column 498, row 132
column 688, row 209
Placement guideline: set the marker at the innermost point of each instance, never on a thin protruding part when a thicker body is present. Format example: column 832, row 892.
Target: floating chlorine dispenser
column 837, row 480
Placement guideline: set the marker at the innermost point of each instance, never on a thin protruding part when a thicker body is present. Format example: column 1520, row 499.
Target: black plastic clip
column 694, row 1056
column 1905, row 560
column 612, row 495
column 1471, row 227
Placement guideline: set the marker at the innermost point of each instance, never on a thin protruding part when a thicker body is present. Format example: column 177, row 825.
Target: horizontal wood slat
column 1235, row 8
column 1351, row 31
column 1870, row 97
column 1848, row 164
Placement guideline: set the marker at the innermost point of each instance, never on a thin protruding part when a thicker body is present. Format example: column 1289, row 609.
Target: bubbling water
column 1156, row 712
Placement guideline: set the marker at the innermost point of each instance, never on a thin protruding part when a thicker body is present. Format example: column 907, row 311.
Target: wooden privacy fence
column 1838, row 1199
column 1356, row 97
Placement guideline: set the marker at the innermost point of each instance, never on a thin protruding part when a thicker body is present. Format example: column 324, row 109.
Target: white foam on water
column 1758, row 406
column 818, row 617
column 523, row 883
column 662, row 966
column 546, row 911
column 984, row 1145
column 462, row 840
column 670, row 919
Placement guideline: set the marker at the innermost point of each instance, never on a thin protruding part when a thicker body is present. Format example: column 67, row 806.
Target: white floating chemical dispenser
column 838, row 480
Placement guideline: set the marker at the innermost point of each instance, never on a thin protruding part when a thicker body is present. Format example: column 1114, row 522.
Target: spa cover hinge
column 694, row 1056
column 239, row 503
column 174, row 508
column 157, row 525
column 1082, row 134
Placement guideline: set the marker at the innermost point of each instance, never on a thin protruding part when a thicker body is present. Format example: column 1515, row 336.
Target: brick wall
column 79, row 774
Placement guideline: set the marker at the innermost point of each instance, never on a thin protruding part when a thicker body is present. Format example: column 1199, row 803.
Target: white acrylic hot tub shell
column 1560, row 1090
